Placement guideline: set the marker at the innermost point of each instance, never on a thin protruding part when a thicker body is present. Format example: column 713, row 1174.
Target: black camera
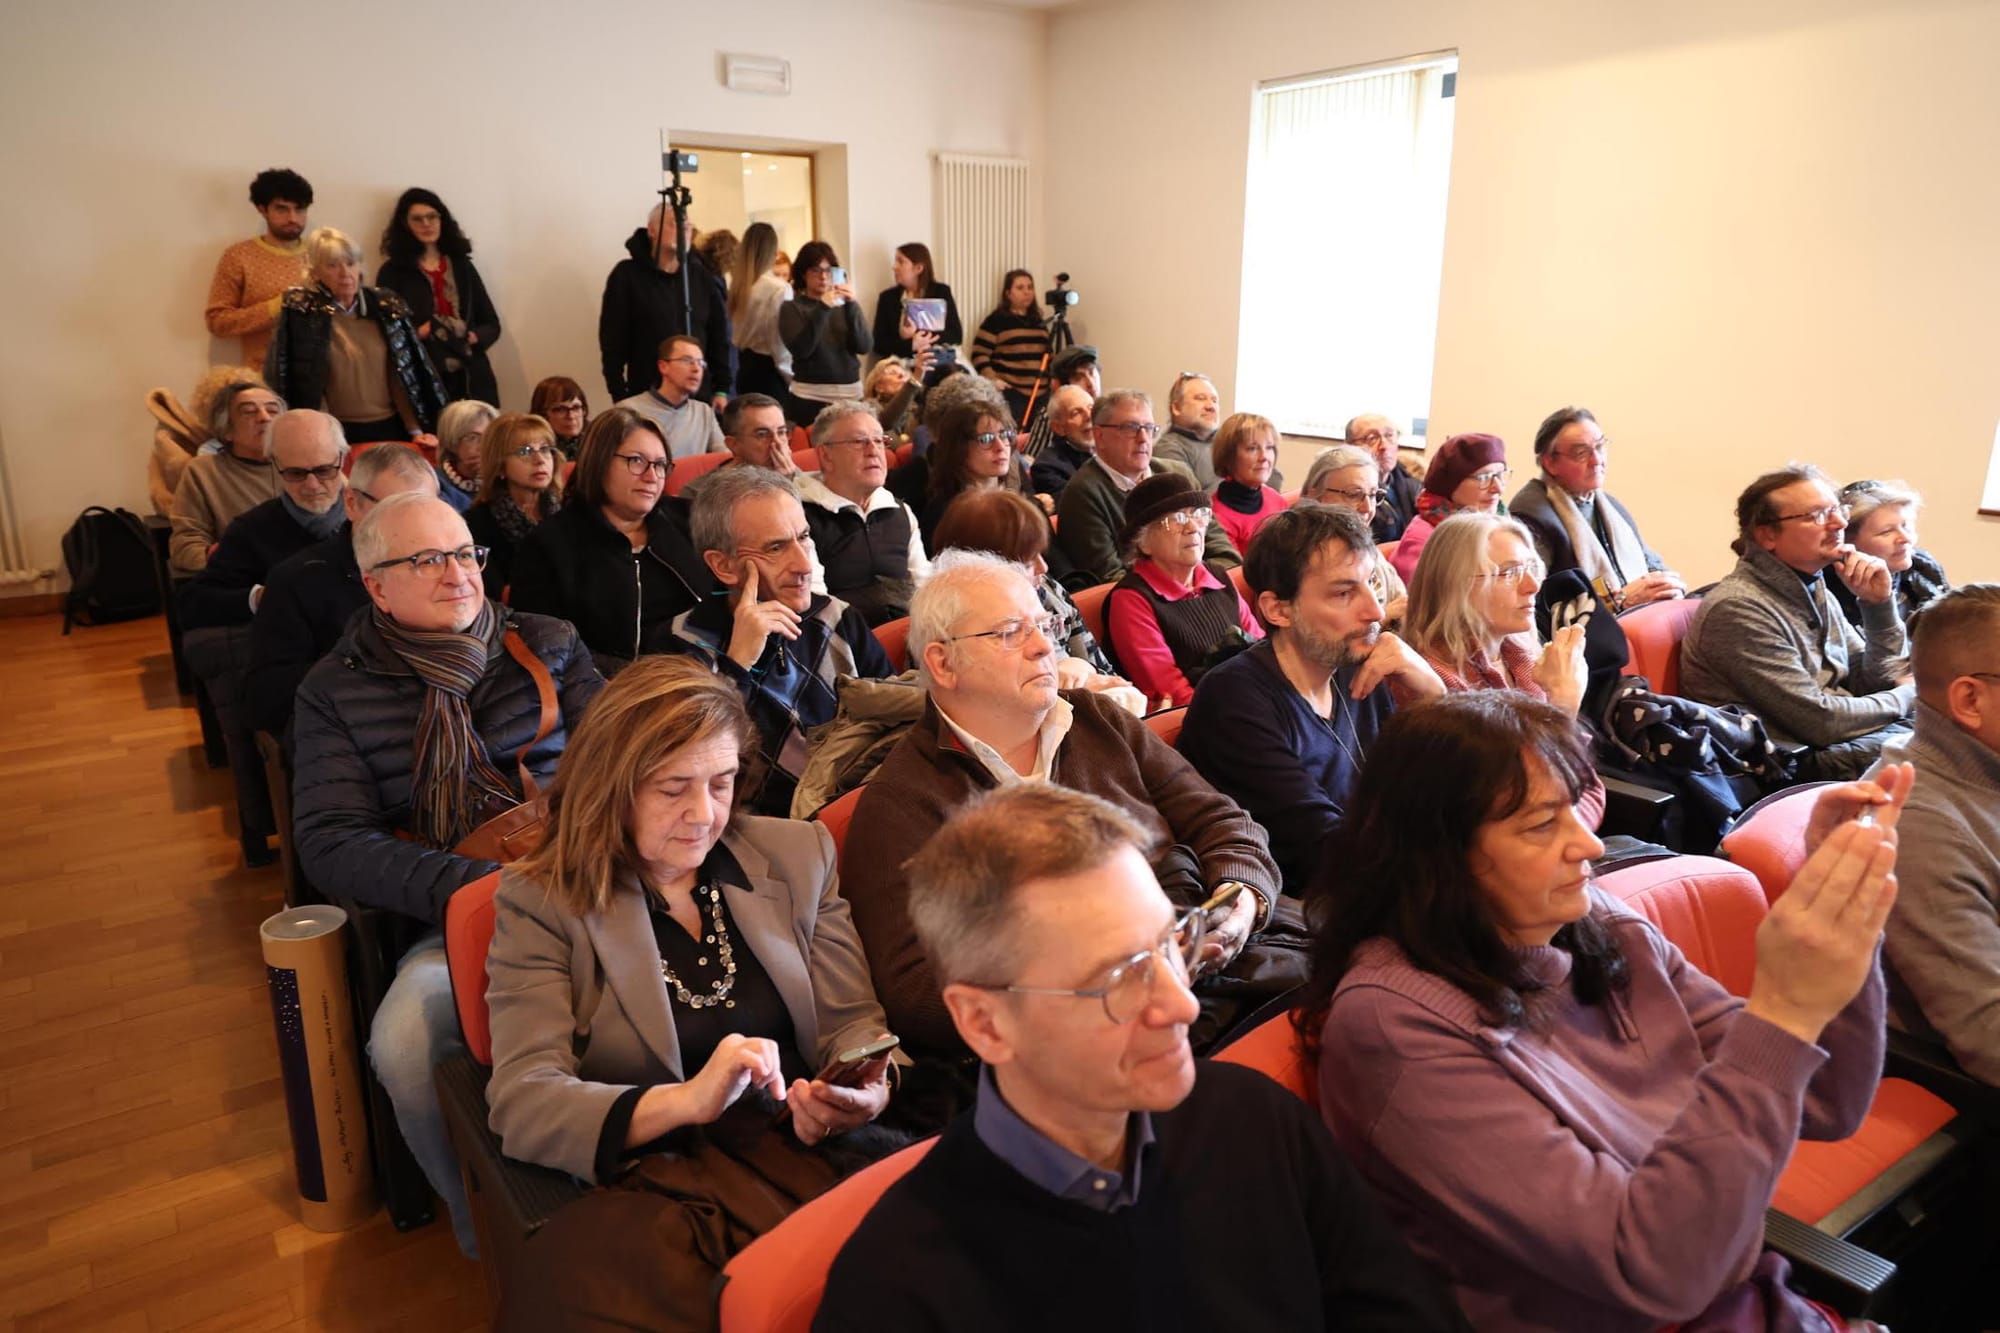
column 1060, row 296
column 677, row 162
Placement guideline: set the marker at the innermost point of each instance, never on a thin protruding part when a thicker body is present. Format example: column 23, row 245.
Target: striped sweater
column 1010, row 348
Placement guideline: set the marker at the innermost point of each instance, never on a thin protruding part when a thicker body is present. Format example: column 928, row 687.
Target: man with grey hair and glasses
column 1102, row 1171
column 867, row 540
column 1090, row 515
column 1383, row 439
column 1579, row 525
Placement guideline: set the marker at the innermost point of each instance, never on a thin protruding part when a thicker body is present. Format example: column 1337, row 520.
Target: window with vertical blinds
column 1343, row 244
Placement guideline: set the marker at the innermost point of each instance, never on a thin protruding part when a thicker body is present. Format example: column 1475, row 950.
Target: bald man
column 643, row 307
column 1071, row 441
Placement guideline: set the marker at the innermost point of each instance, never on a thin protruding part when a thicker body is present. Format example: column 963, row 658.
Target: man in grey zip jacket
column 1771, row 639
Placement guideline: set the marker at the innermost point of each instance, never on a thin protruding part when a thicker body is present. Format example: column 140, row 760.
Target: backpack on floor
column 113, row 571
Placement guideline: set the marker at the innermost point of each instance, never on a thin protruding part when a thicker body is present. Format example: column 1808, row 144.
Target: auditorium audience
column 1103, row 1172
column 216, row 606
column 1282, row 728
column 916, row 279
column 956, row 388
column 1882, row 522
column 1069, row 442
column 996, row 714
column 1579, row 1128
column 767, row 631
column 972, row 449
column 615, row 560
column 520, row 486
column 1347, row 477
column 1943, row 940
column 823, row 330
column 418, row 727
column 1579, row 525
column 1012, row 340
column 561, row 401
column 1383, row 440
column 1171, row 618
column 353, row 351
column 711, row 959
column 757, row 291
column 643, row 307
column 252, row 276
column 1771, row 639
column 1467, row 474
column 310, row 596
column 1244, row 454
column 1091, row 514
column 1193, row 410
column 688, row 424
column 865, row 539
column 215, row 487
column 461, row 441
column 427, row 260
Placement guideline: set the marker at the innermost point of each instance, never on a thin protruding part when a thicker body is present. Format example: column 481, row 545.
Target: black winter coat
column 308, row 601
column 1397, row 511
column 642, row 307
column 577, row 566
column 353, row 744
column 256, row 542
column 474, row 376
column 500, row 549
column 295, row 366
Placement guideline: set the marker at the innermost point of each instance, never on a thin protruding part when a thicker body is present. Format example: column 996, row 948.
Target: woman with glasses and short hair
column 520, row 467
column 461, row 437
column 1348, row 477
column 615, row 560
column 1172, row 617
column 1245, row 454
column 1468, row 474
column 560, row 401
column 972, row 450
column 1882, row 522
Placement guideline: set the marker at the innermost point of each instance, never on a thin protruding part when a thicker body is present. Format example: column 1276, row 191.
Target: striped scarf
column 452, row 781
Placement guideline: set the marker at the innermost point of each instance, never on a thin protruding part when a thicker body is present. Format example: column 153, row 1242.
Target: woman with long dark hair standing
column 427, row 261
column 916, row 280
column 1012, row 340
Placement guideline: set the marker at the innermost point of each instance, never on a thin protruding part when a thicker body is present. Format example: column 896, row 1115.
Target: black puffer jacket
column 307, row 602
column 577, row 566
column 295, row 366
column 352, row 733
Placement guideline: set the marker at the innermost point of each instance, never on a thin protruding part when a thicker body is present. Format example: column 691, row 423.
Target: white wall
column 1741, row 232
column 130, row 131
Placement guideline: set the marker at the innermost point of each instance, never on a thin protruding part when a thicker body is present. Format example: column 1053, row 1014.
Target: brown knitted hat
column 1155, row 498
column 1458, row 458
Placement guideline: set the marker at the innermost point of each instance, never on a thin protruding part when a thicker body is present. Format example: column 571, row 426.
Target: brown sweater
column 1108, row 753
column 243, row 297
column 213, row 490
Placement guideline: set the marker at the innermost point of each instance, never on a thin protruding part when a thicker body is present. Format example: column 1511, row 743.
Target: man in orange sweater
column 251, row 277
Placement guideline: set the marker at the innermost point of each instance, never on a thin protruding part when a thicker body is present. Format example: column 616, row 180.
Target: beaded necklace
column 718, row 991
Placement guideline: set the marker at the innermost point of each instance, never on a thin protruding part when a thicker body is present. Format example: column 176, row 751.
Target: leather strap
column 545, row 687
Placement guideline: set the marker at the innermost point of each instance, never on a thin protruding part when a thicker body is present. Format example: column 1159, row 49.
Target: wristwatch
column 1264, row 903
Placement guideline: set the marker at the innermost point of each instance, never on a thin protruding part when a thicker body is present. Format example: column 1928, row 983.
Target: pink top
column 1412, row 545
column 1239, row 527
column 1142, row 650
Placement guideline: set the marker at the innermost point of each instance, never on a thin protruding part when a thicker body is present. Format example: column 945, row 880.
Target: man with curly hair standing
column 251, row 277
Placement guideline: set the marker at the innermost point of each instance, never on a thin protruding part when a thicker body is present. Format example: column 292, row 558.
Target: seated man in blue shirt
column 1104, row 1176
column 1282, row 727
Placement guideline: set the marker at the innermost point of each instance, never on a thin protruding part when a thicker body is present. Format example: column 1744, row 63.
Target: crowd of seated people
column 1533, row 1112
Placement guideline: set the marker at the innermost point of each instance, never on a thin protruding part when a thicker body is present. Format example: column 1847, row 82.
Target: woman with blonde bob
column 1245, row 453
column 520, row 485
column 665, row 964
column 461, row 436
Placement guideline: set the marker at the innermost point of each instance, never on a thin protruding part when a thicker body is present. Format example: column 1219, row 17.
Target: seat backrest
column 806, row 460
column 1090, row 605
column 1769, row 840
column 685, row 470
column 1166, row 723
column 837, row 814
column 468, row 932
column 1709, row 908
column 774, row 1284
column 1272, row 1048
column 1653, row 635
column 1242, row 582
column 894, row 636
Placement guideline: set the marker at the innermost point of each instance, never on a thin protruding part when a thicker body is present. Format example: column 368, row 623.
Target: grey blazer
column 580, row 1012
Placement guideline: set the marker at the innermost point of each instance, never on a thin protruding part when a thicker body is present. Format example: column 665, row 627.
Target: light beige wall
column 130, row 131
column 1740, row 231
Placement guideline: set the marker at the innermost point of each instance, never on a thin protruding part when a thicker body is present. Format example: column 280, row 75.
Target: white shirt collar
column 813, row 489
column 1118, row 479
column 1055, row 728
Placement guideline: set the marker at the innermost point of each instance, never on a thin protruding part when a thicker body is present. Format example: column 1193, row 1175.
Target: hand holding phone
column 857, row 1067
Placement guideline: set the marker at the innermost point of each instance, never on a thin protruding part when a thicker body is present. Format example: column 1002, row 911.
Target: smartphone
column 926, row 313
column 846, row 1068
column 838, row 276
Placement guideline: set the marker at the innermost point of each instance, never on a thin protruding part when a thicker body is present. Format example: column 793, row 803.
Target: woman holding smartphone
column 708, row 961
column 915, row 281
column 824, row 332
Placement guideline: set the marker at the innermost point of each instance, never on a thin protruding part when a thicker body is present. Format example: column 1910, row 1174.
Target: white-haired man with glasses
column 411, row 733
column 867, row 542
column 1382, row 438
column 1577, row 524
column 1104, row 1176
column 1770, row 637
column 996, row 715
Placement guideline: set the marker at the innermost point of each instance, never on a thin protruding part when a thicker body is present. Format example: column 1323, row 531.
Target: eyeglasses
column 564, row 408
column 1583, row 453
column 637, row 464
column 1513, row 573
column 1128, row 988
column 1370, row 498
column 1375, row 438
column 431, row 564
column 1819, row 517
column 1862, row 488
column 1144, row 428
column 324, row 472
column 1491, row 480
column 765, row 435
column 697, row 362
column 1984, row 675
column 865, row 441
column 530, row 450
column 424, row 219
column 1012, row 635
column 1187, row 518
column 985, row 438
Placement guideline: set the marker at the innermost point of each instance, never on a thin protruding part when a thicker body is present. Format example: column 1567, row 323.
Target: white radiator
column 980, row 211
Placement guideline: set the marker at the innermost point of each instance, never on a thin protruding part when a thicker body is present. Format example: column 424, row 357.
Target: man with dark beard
column 1282, row 727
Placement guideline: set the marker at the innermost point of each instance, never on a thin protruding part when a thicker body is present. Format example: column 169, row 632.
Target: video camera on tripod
column 1060, row 297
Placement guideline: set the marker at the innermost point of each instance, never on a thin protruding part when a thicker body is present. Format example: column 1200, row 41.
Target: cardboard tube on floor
column 305, row 958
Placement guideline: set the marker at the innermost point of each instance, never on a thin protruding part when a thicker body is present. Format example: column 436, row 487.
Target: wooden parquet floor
column 145, row 1173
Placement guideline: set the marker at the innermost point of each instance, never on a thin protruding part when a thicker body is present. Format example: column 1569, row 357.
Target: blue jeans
column 415, row 1027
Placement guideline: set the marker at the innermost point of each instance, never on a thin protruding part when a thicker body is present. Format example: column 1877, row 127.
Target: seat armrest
column 521, row 1196
column 1650, row 814
column 1827, row 1269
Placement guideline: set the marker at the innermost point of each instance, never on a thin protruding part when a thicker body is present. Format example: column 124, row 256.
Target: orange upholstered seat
column 1272, row 1048
column 468, row 932
column 1653, row 635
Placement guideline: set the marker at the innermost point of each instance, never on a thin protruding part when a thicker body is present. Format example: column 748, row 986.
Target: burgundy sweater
column 1606, row 1168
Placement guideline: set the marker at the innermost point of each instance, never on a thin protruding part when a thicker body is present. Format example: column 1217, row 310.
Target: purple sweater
column 1606, row 1168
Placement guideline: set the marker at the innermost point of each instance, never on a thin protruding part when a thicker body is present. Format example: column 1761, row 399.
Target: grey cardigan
column 580, row 1012
column 1763, row 641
